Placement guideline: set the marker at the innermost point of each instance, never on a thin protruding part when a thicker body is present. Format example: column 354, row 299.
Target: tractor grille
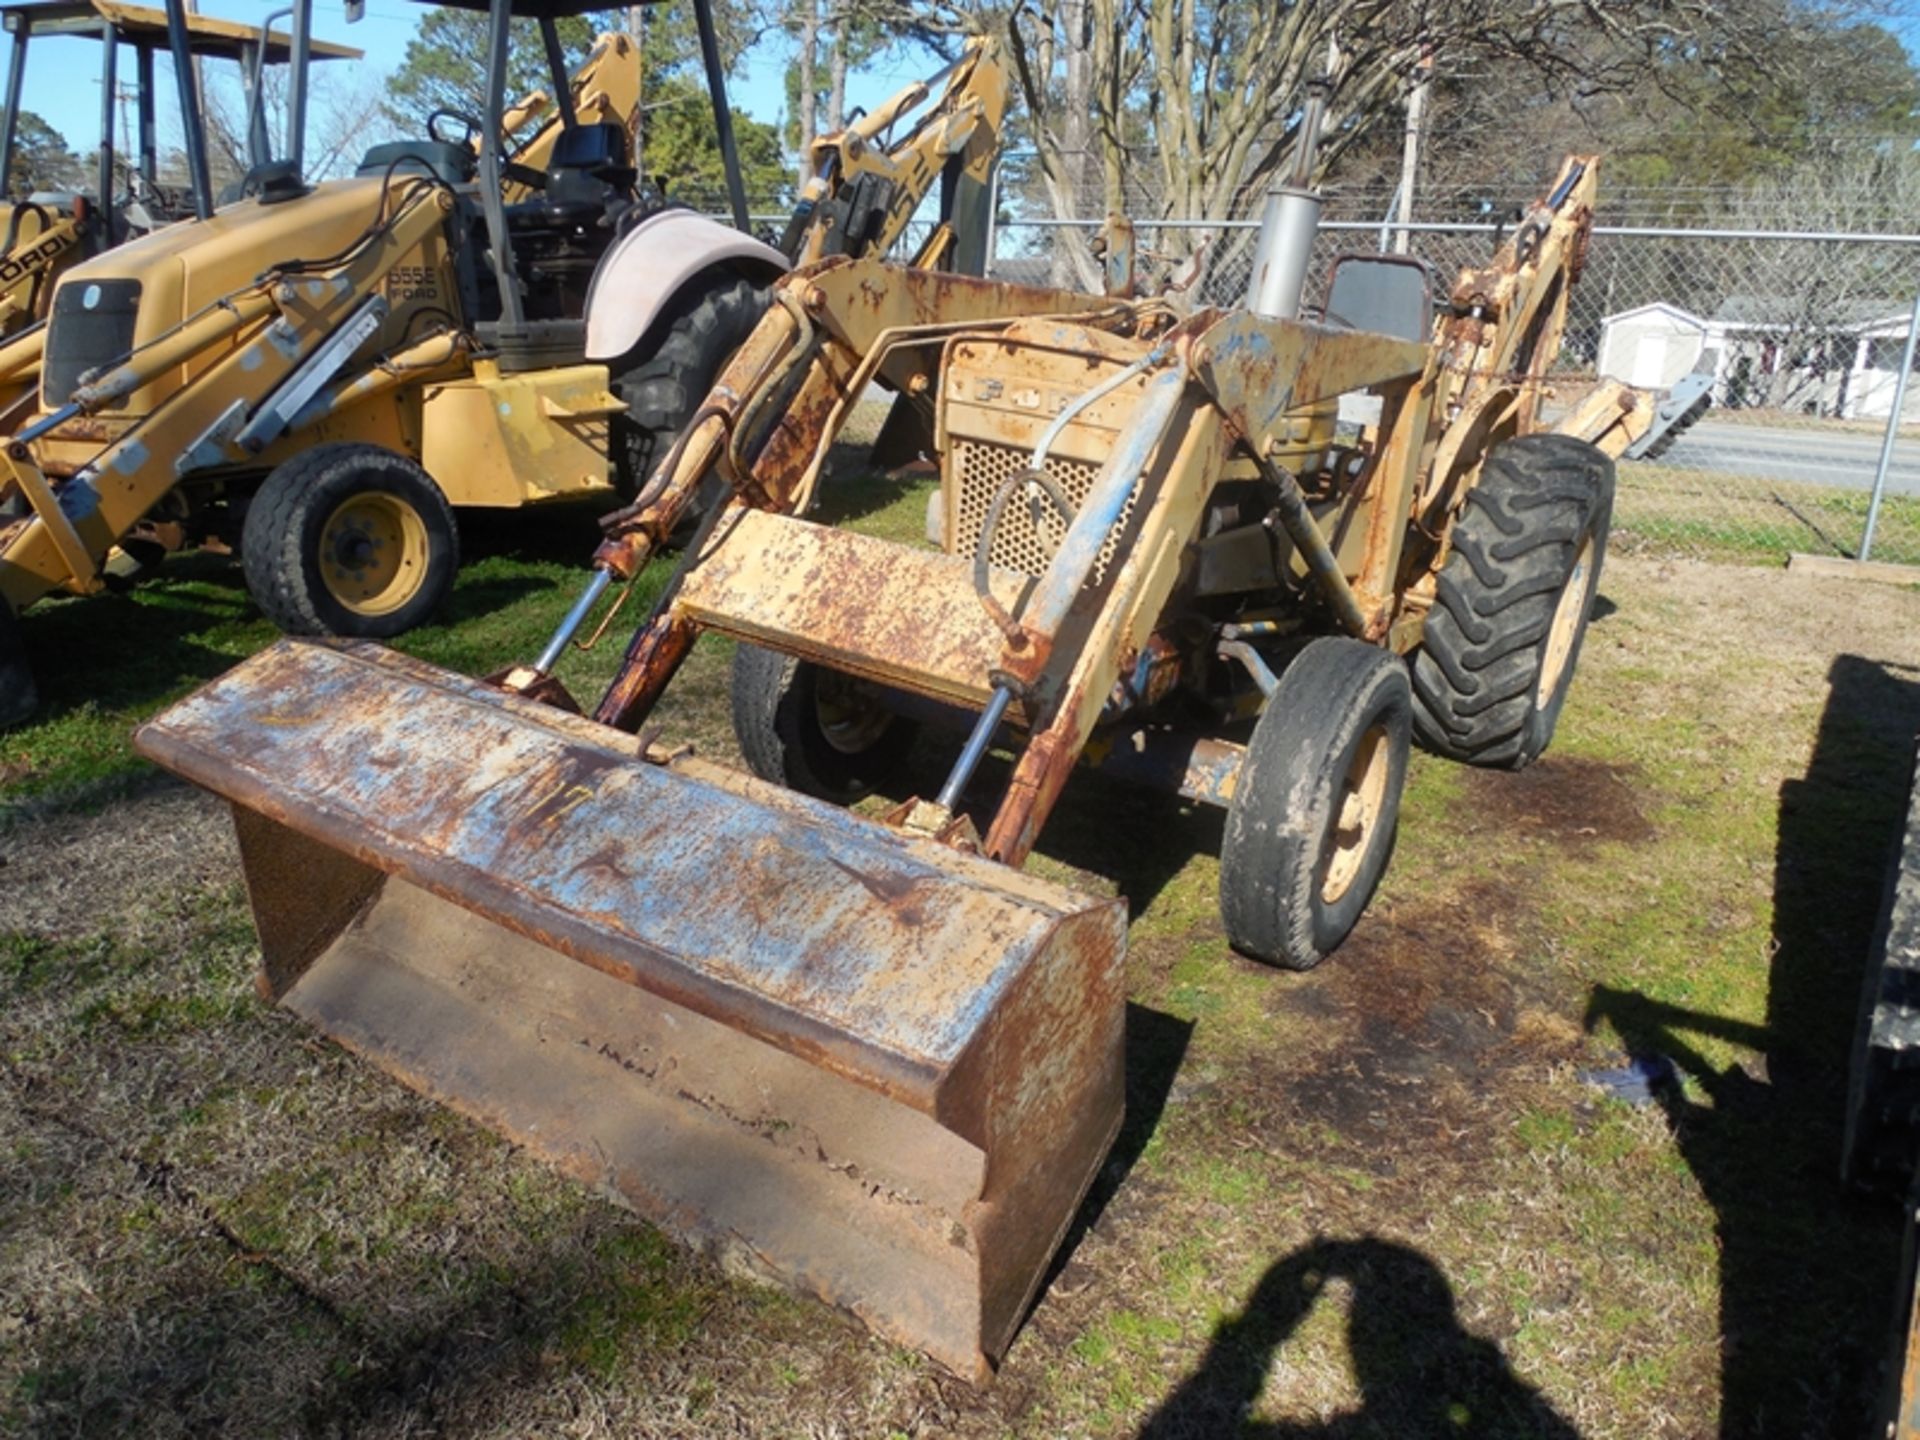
column 1030, row 528
column 91, row 327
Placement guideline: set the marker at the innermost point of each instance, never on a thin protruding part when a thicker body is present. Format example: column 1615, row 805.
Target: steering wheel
column 473, row 127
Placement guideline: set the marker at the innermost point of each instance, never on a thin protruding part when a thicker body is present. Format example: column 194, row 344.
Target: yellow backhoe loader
column 48, row 231
column 869, row 1055
column 319, row 376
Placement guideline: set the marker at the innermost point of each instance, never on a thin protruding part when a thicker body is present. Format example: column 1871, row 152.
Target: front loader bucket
column 876, row 1068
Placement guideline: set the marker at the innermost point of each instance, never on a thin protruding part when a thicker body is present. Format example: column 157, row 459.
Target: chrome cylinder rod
column 576, row 617
column 976, row 750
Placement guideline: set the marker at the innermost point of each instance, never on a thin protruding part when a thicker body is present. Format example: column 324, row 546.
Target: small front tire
column 349, row 540
column 814, row 729
column 1315, row 805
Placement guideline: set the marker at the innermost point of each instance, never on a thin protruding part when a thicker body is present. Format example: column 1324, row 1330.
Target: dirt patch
column 1569, row 800
column 1438, row 1020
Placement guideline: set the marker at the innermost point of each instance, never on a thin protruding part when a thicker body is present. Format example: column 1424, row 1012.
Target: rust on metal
column 888, row 1068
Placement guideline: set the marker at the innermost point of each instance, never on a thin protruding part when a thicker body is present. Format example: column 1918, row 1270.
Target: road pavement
column 1845, row 460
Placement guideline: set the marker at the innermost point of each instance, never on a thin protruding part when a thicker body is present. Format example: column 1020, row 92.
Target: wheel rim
column 373, row 553
column 1565, row 629
column 851, row 720
column 1358, row 802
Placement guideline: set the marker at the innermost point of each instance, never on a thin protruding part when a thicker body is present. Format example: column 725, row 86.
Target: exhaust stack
column 1289, row 224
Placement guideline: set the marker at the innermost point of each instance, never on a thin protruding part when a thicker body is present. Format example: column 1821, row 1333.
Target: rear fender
column 652, row 263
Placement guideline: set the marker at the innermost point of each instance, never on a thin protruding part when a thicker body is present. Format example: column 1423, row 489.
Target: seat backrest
column 589, row 166
column 598, row 146
column 449, row 163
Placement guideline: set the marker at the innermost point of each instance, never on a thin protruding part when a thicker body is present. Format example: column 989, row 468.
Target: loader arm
column 257, row 356
column 862, row 191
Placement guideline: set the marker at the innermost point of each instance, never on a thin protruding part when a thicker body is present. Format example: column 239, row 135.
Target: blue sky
column 63, row 82
column 63, row 76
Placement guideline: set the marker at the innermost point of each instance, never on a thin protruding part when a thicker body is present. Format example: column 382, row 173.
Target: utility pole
column 1410, row 150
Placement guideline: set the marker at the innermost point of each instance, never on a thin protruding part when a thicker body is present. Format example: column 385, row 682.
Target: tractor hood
column 131, row 295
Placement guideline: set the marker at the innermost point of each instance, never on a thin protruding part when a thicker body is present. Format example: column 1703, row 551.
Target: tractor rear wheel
column 1314, row 807
column 351, row 540
column 19, row 696
column 667, row 375
column 1510, row 612
column 813, row 729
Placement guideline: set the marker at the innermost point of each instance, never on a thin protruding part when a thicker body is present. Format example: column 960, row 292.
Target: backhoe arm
column 862, row 191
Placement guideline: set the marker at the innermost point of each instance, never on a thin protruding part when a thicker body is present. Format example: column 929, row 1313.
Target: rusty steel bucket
column 870, row 1066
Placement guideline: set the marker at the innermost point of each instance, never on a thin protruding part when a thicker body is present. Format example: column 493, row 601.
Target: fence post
column 993, row 221
column 1893, row 429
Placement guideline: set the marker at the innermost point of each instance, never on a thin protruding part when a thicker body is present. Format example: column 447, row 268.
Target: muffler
column 864, row 1064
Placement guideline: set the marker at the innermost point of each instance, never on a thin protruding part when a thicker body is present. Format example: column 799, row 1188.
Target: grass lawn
column 1376, row 1199
column 1741, row 517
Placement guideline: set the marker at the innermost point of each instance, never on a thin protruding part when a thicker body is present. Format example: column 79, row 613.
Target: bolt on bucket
column 871, row 1067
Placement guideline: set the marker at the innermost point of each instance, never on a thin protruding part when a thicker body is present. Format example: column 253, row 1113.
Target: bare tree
column 1194, row 105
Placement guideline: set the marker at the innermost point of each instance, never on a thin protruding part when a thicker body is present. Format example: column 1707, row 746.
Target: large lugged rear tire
column 813, row 729
column 666, row 376
column 1316, row 802
column 1503, row 637
column 350, row 540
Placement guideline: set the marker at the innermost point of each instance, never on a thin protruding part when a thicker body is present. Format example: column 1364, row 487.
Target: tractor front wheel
column 349, row 540
column 1510, row 611
column 1316, row 802
column 813, row 729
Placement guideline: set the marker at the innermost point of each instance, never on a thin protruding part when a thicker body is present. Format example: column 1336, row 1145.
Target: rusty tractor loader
column 48, row 232
column 319, row 376
column 867, row 1053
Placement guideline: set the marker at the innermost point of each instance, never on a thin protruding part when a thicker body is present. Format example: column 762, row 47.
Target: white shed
column 1651, row 345
column 1876, row 371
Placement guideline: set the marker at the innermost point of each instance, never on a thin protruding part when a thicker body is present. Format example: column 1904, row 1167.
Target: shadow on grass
column 253, row 1351
column 115, row 650
column 1156, row 1046
column 1420, row 1373
column 1806, row 1270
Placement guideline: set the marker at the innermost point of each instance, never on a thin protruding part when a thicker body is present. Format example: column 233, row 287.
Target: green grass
column 1746, row 518
column 106, row 663
column 1378, row 1196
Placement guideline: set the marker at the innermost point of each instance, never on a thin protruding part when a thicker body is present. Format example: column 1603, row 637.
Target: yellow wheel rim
column 851, row 719
column 373, row 553
column 1363, row 790
column 1567, row 617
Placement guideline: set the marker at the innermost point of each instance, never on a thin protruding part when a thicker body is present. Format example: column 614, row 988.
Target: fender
column 647, row 267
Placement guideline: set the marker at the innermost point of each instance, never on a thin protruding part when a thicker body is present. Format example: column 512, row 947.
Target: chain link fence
column 1803, row 334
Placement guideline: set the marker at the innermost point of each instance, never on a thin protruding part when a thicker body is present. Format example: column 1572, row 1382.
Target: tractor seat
column 589, row 174
column 448, row 163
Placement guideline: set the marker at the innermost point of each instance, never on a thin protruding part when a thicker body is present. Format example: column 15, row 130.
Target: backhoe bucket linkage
column 879, row 1069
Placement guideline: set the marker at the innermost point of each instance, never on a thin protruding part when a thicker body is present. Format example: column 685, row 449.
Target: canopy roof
column 536, row 9
column 146, row 27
